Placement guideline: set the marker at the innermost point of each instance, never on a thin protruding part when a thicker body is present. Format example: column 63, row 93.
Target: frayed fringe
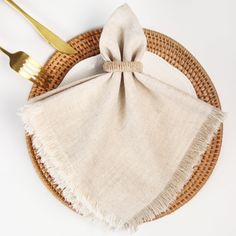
column 53, row 166
column 80, row 203
column 89, row 207
column 184, row 171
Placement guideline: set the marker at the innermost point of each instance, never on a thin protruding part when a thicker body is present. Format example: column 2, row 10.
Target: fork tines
column 28, row 68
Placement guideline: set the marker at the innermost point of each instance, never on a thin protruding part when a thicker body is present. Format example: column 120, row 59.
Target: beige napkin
column 121, row 144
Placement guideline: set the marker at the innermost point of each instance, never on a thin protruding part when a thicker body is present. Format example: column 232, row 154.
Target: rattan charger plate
column 87, row 45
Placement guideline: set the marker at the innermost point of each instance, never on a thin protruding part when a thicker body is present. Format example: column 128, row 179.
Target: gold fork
column 27, row 67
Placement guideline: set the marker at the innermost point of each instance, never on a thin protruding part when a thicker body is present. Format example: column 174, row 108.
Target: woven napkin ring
column 121, row 66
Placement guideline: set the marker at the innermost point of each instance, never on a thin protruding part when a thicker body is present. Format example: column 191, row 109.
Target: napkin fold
column 121, row 144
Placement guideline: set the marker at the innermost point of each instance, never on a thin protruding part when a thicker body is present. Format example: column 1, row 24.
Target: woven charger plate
column 87, row 45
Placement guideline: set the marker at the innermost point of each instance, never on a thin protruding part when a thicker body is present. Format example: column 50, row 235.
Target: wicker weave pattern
column 87, row 45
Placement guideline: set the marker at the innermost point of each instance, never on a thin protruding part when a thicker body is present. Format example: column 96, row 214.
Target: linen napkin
column 121, row 144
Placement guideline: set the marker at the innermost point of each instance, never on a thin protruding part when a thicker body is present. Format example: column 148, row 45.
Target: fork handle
column 5, row 51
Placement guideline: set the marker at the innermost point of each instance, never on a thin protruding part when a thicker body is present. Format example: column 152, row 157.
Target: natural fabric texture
column 121, row 144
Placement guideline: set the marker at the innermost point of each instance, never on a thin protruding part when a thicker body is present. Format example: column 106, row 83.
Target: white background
column 207, row 28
